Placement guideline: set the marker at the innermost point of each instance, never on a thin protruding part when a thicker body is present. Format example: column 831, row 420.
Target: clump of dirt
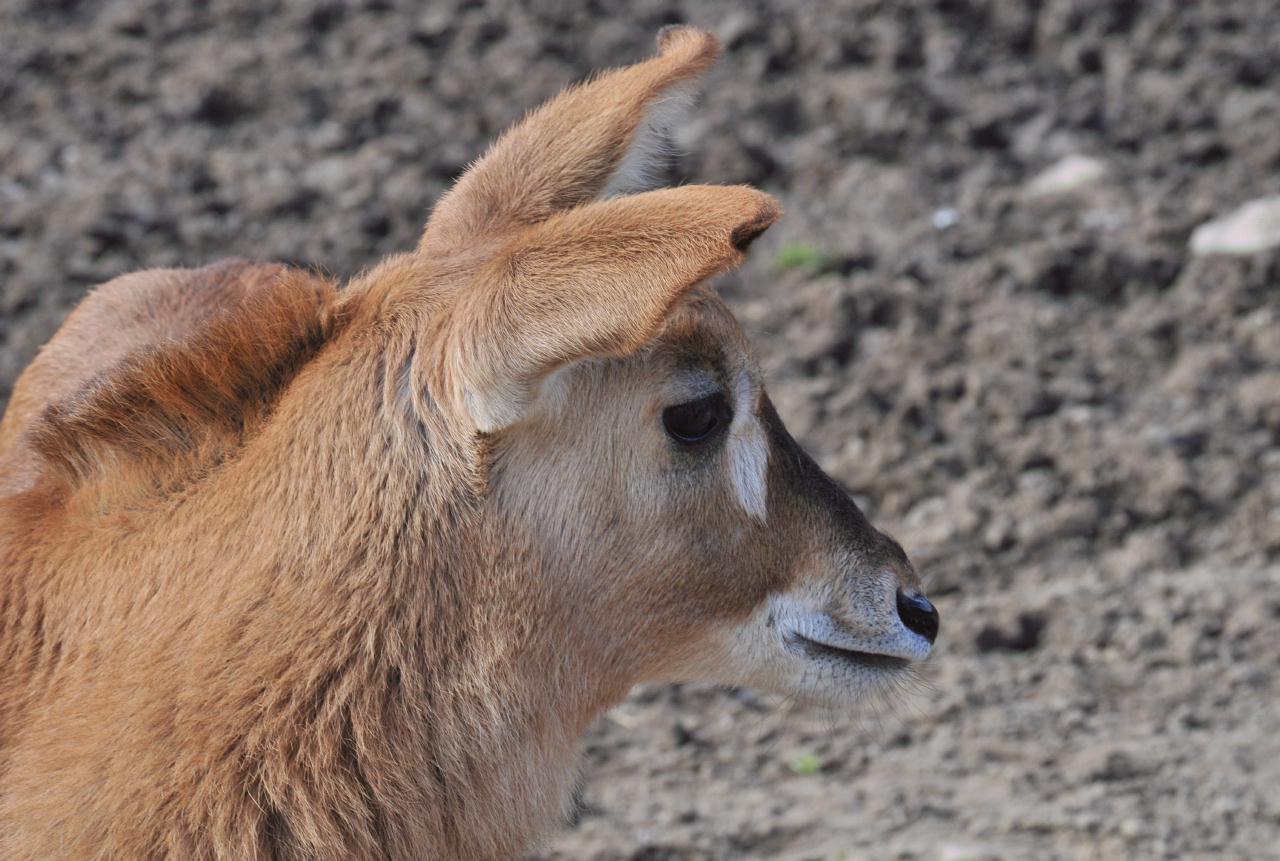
column 1071, row 423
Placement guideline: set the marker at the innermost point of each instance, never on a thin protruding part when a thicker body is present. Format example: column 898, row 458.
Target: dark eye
column 698, row 420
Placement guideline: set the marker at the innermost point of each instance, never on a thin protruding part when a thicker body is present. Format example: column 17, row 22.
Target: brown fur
column 153, row 310
column 287, row 572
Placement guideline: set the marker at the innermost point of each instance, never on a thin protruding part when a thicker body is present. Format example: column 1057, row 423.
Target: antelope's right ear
column 592, row 140
column 598, row 280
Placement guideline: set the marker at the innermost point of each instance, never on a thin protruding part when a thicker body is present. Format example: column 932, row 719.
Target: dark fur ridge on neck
column 197, row 397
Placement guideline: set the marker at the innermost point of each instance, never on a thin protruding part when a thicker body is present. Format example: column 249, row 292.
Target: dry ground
column 1071, row 423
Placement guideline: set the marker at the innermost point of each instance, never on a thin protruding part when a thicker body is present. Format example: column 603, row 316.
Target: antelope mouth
column 816, row 649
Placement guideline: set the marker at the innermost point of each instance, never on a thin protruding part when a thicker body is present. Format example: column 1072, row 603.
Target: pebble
column 944, row 218
column 1253, row 227
column 1067, row 175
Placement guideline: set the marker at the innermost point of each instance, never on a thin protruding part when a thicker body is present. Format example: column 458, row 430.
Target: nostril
column 918, row 614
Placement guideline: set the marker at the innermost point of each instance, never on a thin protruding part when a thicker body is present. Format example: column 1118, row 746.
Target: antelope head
column 629, row 459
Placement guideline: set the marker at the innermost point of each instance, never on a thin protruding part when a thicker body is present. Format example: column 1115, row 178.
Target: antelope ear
column 598, row 281
column 595, row 139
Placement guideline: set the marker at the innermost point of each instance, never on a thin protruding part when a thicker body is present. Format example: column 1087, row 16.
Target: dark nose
column 918, row 614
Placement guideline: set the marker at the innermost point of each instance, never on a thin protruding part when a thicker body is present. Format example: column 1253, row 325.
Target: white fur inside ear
column 652, row 147
column 494, row 410
column 500, row 407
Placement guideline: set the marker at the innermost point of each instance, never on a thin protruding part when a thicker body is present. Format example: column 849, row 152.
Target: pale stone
column 1067, row 175
column 1252, row 228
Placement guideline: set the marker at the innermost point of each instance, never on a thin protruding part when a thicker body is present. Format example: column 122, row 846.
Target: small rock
column 966, row 852
column 1259, row 399
column 999, row 533
column 1132, row 827
column 1027, row 637
column 1120, row 765
column 929, row 522
column 1252, row 228
column 1070, row 174
column 685, row 737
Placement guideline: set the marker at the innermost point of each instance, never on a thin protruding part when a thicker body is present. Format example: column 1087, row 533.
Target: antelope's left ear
column 591, row 141
column 598, row 280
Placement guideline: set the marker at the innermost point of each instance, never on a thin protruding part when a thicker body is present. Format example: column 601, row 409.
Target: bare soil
column 1071, row 424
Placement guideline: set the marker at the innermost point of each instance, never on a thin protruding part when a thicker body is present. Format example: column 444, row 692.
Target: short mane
column 196, row 397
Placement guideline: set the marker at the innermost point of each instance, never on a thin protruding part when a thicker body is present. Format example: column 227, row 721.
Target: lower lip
column 868, row 660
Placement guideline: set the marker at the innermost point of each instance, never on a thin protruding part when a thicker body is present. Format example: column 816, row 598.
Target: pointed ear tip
column 768, row 211
column 681, row 37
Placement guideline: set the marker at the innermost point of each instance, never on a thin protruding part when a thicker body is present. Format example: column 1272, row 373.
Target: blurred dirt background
column 1070, row 421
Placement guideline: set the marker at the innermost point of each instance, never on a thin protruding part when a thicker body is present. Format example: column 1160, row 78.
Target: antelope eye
column 697, row 421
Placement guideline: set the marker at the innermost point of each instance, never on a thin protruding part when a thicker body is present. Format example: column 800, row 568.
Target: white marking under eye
column 749, row 453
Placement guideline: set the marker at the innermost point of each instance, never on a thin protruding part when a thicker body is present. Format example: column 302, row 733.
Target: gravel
column 1070, row 421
